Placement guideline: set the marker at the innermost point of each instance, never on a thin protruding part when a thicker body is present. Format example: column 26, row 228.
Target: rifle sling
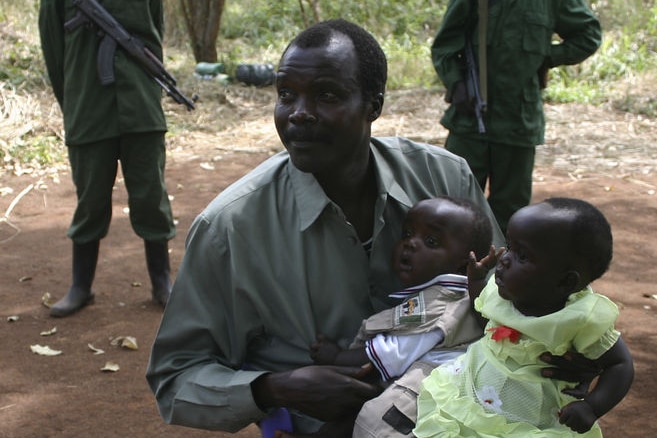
column 482, row 24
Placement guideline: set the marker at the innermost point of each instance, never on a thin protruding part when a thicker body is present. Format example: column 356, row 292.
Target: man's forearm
column 208, row 396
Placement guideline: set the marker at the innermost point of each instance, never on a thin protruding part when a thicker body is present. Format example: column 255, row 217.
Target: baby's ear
column 570, row 282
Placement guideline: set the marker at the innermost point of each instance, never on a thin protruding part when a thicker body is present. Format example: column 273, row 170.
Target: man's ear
column 376, row 107
column 570, row 282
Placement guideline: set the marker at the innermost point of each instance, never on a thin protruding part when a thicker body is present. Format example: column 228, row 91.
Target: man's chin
column 303, row 165
column 307, row 162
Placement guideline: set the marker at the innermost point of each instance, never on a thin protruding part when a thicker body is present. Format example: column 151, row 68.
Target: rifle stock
column 90, row 12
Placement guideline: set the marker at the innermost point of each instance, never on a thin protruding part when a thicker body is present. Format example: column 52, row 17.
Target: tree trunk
column 203, row 20
column 314, row 7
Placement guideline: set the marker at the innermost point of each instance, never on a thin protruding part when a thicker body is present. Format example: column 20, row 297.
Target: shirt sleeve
column 157, row 12
column 51, row 32
column 196, row 368
column 392, row 355
column 597, row 333
column 448, row 45
column 580, row 32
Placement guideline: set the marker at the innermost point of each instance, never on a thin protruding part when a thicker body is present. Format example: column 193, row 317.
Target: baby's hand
column 578, row 415
column 324, row 351
column 478, row 270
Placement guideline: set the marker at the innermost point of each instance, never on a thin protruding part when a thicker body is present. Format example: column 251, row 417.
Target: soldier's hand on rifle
column 459, row 98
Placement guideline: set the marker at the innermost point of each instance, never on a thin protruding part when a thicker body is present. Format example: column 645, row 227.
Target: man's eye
column 284, row 95
column 328, row 96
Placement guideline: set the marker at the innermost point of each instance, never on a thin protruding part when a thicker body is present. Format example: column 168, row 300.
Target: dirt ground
column 597, row 154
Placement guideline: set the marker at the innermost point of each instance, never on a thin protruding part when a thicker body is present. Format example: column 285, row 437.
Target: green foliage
column 257, row 31
column 22, row 66
column 628, row 48
column 409, row 63
column 21, row 62
column 261, row 23
column 34, row 152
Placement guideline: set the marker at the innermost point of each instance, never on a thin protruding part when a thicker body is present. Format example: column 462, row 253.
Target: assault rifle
column 92, row 14
column 472, row 85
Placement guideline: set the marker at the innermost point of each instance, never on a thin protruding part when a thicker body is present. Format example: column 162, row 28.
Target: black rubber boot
column 157, row 260
column 85, row 257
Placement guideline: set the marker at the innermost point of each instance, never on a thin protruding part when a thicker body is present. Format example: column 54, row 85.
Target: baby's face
column 530, row 272
column 431, row 242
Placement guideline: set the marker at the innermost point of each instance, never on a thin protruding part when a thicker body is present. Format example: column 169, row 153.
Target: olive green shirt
column 93, row 112
column 519, row 41
column 272, row 262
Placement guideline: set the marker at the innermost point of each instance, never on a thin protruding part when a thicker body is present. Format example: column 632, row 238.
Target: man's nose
column 303, row 113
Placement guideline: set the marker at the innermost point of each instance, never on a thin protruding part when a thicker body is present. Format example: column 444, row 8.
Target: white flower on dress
column 489, row 399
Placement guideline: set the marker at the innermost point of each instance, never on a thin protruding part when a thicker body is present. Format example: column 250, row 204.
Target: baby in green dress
column 540, row 299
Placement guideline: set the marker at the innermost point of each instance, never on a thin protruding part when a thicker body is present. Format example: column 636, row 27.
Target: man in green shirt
column 105, row 124
column 519, row 50
column 299, row 246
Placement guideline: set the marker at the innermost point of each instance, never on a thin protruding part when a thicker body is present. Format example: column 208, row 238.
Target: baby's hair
column 480, row 235
column 590, row 234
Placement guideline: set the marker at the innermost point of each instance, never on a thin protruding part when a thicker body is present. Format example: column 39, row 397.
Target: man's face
column 320, row 114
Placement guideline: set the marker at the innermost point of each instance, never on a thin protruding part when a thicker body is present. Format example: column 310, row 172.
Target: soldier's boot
column 157, row 261
column 85, row 258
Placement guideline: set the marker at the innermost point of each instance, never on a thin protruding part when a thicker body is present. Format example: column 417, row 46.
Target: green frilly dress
column 495, row 388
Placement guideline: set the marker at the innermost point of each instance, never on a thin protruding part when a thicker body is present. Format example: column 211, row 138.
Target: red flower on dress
column 503, row 332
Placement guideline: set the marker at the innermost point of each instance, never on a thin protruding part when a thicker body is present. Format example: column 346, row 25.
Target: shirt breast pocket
column 537, row 34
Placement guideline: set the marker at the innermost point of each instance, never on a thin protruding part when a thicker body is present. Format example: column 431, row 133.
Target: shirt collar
column 386, row 180
column 311, row 199
column 453, row 282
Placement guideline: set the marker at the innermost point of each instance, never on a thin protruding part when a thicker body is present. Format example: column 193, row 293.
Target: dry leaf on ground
column 44, row 350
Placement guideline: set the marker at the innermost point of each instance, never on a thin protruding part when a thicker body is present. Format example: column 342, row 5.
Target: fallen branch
column 5, row 217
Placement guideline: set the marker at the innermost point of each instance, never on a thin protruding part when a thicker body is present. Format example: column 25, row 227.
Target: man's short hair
column 372, row 63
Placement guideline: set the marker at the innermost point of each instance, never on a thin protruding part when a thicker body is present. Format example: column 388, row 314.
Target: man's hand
column 460, row 99
column 328, row 393
column 571, row 367
column 324, row 351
